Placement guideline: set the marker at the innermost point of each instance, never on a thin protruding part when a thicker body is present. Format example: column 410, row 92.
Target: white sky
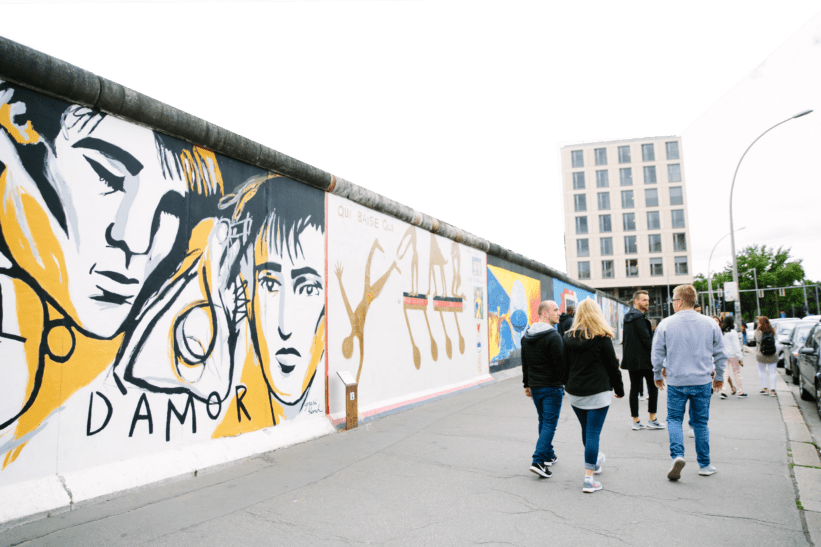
column 777, row 188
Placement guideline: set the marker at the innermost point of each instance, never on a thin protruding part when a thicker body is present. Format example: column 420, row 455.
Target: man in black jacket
column 542, row 369
column 566, row 321
column 638, row 340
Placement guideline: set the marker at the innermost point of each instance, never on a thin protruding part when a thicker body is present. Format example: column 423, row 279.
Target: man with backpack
column 766, row 355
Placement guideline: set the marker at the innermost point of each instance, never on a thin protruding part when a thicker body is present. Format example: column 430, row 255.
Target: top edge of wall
column 46, row 74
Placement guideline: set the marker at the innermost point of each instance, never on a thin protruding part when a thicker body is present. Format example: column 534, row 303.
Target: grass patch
column 798, row 504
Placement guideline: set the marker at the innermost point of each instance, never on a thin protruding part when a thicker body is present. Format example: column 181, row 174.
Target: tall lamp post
column 710, row 277
column 732, row 237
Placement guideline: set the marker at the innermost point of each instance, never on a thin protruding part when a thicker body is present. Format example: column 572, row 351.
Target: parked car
column 809, row 375
column 783, row 331
column 794, row 344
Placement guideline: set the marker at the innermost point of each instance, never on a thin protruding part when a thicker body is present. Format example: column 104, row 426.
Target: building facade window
column 577, row 158
column 630, row 246
column 578, row 180
column 676, row 195
column 651, row 197
column 582, row 247
column 607, row 269
column 678, row 218
column 606, row 246
column 655, row 243
column 581, row 225
column 604, row 201
column 629, row 222
column 580, row 202
column 653, row 220
column 584, row 269
column 679, row 242
column 672, row 150
column 648, row 153
column 624, row 154
column 602, row 179
column 627, row 199
column 656, row 267
column 601, row 156
column 632, row 268
column 681, row 265
column 604, row 224
column 674, row 172
column 626, row 176
column 649, row 174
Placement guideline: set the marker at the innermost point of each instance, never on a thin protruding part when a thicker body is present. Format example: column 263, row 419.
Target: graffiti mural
column 151, row 292
column 513, row 301
column 399, row 292
column 566, row 294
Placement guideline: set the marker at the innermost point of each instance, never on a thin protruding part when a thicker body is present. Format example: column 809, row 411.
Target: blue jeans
column 548, row 401
column 699, row 397
column 592, row 422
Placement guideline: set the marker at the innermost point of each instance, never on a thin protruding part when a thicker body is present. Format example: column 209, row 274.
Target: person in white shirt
column 735, row 357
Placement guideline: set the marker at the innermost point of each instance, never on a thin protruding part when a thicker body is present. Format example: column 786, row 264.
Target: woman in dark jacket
column 591, row 373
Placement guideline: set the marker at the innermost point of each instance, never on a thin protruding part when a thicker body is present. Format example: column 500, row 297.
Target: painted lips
column 284, row 361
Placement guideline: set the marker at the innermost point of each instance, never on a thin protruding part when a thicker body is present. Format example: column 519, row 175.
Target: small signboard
column 730, row 292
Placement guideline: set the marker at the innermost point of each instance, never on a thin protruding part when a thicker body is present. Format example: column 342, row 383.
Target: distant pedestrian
column 542, row 374
column 744, row 332
column 693, row 347
column 766, row 355
column 591, row 373
column 735, row 357
column 637, row 343
column 565, row 320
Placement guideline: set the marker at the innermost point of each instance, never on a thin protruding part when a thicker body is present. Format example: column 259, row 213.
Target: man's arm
column 658, row 354
column 555, row 347
column 719, row 357
column 644, row 334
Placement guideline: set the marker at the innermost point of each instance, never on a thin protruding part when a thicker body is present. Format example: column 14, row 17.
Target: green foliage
column 774, row 268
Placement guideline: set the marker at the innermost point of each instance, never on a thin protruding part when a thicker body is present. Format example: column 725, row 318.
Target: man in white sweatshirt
column 687, row 347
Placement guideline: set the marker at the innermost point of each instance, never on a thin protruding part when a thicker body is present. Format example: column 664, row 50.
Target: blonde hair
column 589, row 321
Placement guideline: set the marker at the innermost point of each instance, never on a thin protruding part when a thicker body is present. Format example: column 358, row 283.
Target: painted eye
column 114, row 183
column 270, row 284
column 310, row 290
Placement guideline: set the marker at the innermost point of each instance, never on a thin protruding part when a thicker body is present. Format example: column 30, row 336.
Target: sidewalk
column 455, row 472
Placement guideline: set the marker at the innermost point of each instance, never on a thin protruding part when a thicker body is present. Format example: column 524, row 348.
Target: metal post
column 806, row 305
column 816, row 300
column 732, row 187
column 757, row 304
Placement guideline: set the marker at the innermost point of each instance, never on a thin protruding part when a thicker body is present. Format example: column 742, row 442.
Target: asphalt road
column 455, row 472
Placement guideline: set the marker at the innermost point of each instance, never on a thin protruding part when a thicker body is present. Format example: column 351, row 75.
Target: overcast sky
column 777, row 190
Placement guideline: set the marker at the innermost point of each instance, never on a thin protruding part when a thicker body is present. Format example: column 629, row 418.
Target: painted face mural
column 288, row 305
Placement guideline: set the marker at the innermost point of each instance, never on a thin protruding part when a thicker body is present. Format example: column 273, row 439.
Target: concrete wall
column 173, row 297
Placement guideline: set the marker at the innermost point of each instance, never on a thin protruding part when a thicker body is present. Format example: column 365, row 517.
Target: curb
column 805, row 463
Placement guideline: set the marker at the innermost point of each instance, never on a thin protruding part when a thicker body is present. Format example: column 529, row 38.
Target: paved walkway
column 455, row 472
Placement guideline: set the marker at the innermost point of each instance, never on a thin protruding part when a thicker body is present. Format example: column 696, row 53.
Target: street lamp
column 709, row 277
column 732, row 236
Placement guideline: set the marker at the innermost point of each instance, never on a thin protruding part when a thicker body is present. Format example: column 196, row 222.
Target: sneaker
column 707, row 471
column 599, row 463
column 773, row 394
column 642, row 398
column 551, row 461
column 722, row 395
column 741, row 395
column 655, row 424
column 590, row 485
column 541, row 470
column 692, row 434
column 764, row 392
column 639, row 425
column 675, row 472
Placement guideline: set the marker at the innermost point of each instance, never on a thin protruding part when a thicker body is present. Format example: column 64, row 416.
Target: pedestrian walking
column 591, row 373
column 542, row 375
column 735, row 357
column 565, row 320
column 744, row 332
column 693, row 347
column 637, row 343
column 765, row 355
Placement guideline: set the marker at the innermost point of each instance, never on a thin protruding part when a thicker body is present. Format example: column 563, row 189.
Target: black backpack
column 767, row 344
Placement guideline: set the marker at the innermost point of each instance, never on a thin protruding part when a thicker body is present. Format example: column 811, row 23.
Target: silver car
column 794, row 345
column 809, row 375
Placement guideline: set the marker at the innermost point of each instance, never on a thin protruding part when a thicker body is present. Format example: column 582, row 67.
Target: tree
column 774, row 268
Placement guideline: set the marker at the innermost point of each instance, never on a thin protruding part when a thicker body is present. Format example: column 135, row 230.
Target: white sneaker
column 599, row 463
column 692, row 434
column 675, row 472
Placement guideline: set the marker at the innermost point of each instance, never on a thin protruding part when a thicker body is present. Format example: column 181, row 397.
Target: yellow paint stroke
column 50, row 272
column 89, row 359
column 256, row 401
column 27, row 136
column 202, row 172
